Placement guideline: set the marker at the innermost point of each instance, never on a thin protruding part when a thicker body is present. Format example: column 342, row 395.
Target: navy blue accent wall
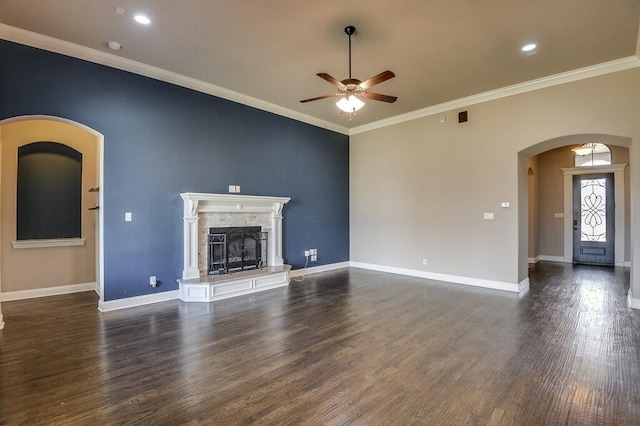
column 161, row 140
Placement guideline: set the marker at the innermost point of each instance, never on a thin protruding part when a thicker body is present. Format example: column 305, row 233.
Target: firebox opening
column 235, row 249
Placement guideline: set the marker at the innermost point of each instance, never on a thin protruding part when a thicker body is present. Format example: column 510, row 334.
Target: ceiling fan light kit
column 352, row 90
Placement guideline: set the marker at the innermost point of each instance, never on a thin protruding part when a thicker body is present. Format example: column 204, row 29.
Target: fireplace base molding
column 217, row 287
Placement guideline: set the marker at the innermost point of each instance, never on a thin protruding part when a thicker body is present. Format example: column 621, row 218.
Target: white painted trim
column 516, row 89
column 318, row 269
column 496, row 285
column 560, row 259
column 1, row 321
column 633, row 303
column 28, row 38
column 48, row 291
column 533, row 260
column 59, row 242
column 619, row 203
column 132, row 302
column 523, row 286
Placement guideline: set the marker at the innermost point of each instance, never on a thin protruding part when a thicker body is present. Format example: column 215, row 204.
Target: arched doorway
column 555, row 217
column 20, row 131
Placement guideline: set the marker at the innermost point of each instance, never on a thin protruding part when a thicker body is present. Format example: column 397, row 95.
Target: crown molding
column 516, row 89
column 29, row 38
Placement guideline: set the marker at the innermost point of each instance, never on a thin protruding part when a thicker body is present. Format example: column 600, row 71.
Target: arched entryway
column 547, row 224
column 80, row 260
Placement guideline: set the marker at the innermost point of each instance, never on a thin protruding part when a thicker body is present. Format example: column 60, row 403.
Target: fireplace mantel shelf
column 228, row 203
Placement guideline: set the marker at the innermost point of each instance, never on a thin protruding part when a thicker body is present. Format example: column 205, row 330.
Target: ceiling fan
column 352, row 89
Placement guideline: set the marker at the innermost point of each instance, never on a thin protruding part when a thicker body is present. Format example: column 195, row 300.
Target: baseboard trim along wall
column 633, row 303
column 132, row 302
column 43, row 292
column 317, row 269
column 496, row 285
column 560, row 259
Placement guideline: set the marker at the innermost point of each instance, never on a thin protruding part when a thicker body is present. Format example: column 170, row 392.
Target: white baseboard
column 43, row 292
column 496, row 285
column 131, row 302
column 560, row 259
column 633, row 303
column 317, row 269
column 534, row 259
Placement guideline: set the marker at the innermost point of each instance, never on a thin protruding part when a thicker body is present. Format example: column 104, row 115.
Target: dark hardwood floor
column 345, row 347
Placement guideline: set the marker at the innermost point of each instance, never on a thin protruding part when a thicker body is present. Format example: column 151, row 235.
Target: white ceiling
column 440, row 50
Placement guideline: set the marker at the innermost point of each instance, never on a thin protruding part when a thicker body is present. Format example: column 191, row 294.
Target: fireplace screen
column 235, row 249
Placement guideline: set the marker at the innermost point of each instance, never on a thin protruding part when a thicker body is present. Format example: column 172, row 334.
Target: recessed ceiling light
column 529, row 47
column 142, row 19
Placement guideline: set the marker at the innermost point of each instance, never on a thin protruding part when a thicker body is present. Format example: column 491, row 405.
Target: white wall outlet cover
column 488, row 216
column 558, row 215
column 128, row 217
column 232, row 188
column 505, row 204
column 443, row 119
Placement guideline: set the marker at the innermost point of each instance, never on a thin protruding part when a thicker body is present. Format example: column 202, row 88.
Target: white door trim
column 618, row 179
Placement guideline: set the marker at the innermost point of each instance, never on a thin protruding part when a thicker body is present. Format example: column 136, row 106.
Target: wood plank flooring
column 340, row 348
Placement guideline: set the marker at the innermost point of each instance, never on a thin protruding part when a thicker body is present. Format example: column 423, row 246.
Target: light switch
column 127, row 217
column 488, row 216
column 505, row 204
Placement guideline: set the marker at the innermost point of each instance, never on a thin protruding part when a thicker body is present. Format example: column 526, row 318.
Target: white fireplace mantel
column 195, row 203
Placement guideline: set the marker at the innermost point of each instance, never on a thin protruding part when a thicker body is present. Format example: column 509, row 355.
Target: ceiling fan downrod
column 350, row 30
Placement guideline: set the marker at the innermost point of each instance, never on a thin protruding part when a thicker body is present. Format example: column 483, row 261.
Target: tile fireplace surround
column 203, row 211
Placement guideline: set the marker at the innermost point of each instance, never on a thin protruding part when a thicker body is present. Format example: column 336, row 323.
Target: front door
column 593, row 219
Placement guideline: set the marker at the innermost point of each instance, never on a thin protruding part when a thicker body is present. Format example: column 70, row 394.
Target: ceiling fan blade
column 383, row 76
column 379, row 97
column 319, row 97
column 332, row 80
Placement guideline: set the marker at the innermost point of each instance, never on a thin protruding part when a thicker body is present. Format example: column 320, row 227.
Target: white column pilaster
column 190, row 240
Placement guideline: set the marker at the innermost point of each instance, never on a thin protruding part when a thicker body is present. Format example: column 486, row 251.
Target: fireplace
column 237, row 248
column 256, row 253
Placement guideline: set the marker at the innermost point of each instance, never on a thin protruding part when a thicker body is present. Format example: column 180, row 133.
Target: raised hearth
column 216, row 287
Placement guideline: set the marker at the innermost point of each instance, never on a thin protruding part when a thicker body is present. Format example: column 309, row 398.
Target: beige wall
column 419, row 188
column 36, row 268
